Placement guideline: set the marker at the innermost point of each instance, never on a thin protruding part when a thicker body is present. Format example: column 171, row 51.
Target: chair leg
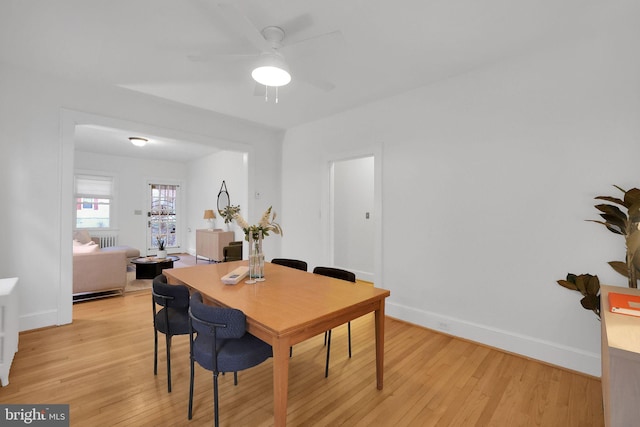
column 191, row 388
column 155, row 351
column 235, row 378
column 215, row 398
column 326, row 369
column 349, row 329
column 168, row 340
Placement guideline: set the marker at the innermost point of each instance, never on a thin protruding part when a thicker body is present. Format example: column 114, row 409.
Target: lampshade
column 271, row 70
column 138, row 141
column 209, row 214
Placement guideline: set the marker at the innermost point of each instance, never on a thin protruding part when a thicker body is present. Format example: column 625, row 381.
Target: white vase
column 161, row 254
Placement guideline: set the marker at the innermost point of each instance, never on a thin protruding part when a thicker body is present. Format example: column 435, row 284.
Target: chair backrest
column 293, row 263
column 219, row 322
column 174, row 296
column 336, row 273
column 233, row 252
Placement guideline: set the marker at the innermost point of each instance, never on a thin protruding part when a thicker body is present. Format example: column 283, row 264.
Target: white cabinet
column 620, row 362
column 8, row 326
column 210, row 243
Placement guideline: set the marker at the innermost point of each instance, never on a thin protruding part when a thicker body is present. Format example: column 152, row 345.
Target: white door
column 163, row 217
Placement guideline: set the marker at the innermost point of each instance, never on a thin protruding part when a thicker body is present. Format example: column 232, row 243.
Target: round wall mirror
column 223, row 198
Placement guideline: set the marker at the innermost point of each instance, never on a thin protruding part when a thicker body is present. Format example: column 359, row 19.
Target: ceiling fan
column 271, row 67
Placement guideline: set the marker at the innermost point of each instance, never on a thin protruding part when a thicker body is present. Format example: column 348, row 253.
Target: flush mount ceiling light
column 138, row 141
column 271, row 70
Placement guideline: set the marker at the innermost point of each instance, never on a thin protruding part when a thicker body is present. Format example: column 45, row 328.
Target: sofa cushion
column 82, row 236
column 131, row 252
column 84, row 248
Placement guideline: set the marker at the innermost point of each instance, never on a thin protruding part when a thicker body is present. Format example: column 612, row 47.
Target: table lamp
column 209, row 215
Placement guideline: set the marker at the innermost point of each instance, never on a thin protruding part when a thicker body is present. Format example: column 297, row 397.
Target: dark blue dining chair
column 219, row 343
column 293, row 263
column 336, row 273
column 172, row 319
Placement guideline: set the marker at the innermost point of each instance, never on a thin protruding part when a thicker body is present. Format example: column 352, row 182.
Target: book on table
column 624, row 304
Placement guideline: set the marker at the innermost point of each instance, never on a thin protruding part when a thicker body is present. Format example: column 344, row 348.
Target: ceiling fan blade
column 240, row 22
column 335, row 37
column 294, row 26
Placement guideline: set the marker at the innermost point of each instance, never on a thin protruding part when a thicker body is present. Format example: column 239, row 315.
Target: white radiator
column 108, row 241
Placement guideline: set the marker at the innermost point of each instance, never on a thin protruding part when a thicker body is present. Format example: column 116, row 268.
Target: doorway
column 354, row 216
column 162, row 224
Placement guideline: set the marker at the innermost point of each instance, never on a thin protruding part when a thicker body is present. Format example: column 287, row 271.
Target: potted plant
column 619, row 222
column 162, row 253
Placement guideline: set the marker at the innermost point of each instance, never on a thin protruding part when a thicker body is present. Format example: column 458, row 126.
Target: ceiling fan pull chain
column 276, row 94
column 266, row 93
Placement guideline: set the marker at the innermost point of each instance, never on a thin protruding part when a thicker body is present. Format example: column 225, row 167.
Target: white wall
column 205, row 179
column 38, row 114
column 487, row 180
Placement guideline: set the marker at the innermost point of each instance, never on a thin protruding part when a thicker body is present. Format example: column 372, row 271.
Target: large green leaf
column 609, row 227
column 567, row 285
column 581, row 284
column 615, row 221
column 611, row 199
column 613, row 210
column 592, row 285
column 631, row 197
column 620, row 267
column 591, row 302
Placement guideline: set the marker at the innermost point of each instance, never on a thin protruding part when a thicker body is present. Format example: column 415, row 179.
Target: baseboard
column 530, row 347
column 38, row 320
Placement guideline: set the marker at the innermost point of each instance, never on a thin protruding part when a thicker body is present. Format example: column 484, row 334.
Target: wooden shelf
column 210, row 243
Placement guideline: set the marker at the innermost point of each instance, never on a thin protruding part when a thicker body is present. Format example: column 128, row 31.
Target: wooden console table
column 210, row 243
column 620, row 362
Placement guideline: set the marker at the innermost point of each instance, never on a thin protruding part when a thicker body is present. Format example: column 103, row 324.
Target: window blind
column 94, row 186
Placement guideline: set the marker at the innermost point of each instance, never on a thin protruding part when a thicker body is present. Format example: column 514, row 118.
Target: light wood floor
column 102, row 365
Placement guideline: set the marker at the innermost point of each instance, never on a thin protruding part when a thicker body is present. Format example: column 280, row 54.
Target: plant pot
column 161, row 254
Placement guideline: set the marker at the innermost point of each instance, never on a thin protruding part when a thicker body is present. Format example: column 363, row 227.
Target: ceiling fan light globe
column 138, row 141
column 270, row 75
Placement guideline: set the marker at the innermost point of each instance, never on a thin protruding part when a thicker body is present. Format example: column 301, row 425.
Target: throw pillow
column 86, row 248
column 82, row 236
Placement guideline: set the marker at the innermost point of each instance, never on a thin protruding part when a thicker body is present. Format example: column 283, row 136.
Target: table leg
column 380, row 345
column 280, row 381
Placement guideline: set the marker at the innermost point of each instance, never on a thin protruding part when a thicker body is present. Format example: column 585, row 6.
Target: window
column 94, row 199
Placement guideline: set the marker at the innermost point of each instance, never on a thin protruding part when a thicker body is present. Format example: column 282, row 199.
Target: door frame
column 374, row 151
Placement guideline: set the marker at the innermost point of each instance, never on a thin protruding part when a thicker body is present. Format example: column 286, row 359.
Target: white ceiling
column 376, row 48
column 115, row 142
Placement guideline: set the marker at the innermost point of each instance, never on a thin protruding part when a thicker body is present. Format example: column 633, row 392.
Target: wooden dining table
column 289, row 307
